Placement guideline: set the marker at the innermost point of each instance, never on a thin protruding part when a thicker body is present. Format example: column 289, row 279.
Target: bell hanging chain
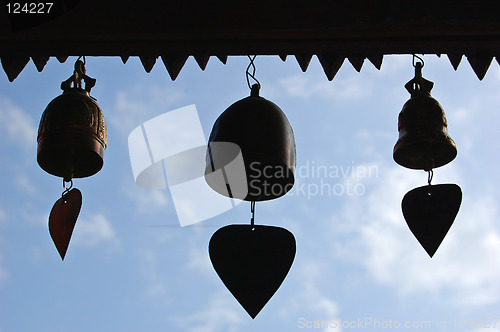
column 252, row 73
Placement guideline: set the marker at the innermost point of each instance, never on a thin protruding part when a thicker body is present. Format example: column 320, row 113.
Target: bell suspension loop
column 430, row 175
column 417, row 64
column 251, row 74
column 417, row 83
column 65, row 192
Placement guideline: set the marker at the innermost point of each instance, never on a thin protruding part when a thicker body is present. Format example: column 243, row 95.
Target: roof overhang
column 331, row 29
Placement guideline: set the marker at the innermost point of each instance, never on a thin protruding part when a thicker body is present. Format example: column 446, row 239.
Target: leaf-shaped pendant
column 62, row 219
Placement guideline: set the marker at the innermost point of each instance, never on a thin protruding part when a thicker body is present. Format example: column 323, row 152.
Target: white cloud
column 220, row 313
column 17, row 124
column 307, row 300
column 94, row 230
column 137, row 105
column 22, row 181
column 313, row 300
column 461, row 269
column 149, row 200
column 149, row 269
column 199, row 260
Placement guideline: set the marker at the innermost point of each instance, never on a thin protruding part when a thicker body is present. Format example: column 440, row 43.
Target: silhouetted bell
column 423, row 141
column 266, row 142
column 72, row 133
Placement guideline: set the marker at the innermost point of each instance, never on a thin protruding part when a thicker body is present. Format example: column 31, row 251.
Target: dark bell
column 267, row 144
column 72, row 134
column 423, row 141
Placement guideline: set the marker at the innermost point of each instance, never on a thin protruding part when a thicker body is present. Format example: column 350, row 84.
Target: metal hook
column 252, row 75
column 80, row 57
column 66, row 190
column 420, row 64
column 80, row 67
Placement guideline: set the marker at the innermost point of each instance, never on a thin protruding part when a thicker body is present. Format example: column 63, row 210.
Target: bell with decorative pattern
column 72, row 137
column 72, row 133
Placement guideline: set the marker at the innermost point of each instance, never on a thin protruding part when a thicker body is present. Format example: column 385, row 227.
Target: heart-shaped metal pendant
column 252, row 262
column 430, row 211
column 62, row 219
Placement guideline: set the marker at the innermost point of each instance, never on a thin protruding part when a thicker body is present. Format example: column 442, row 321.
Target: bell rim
column 53, row 152
column 442, row 145
column 285, row 186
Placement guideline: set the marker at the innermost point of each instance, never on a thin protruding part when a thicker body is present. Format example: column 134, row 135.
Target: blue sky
column 131, row 267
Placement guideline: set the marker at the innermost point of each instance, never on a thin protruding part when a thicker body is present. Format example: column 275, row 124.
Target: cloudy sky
column 131, row 267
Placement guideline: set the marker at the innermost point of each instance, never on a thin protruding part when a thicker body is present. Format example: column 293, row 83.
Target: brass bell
column 72, row 134
column 265, row 139
column 423, row 141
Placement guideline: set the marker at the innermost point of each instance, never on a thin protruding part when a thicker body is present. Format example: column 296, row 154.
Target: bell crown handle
column 419, row 85
column 79, row 74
